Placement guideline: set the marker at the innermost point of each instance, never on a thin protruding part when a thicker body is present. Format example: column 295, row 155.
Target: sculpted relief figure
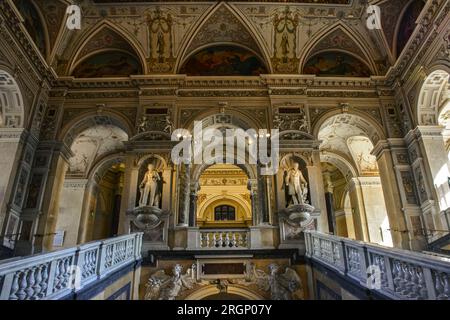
column 163, row 287
column 150, row 188
column 286, row 286
column 296, row 186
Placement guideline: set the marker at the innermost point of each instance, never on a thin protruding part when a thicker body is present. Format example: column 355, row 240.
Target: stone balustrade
column 54, row 275
column 394, row 273
column 224, row 239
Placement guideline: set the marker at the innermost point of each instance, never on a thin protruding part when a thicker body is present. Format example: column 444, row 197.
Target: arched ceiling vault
column 339, row 37
column 103, row 37
column 223, row 25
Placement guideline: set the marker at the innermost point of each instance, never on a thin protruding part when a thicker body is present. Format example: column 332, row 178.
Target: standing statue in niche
column 150, row 188
column 296, row 186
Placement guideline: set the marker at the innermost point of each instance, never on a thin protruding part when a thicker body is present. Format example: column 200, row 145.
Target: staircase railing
column 54, row 275
column 394, row 273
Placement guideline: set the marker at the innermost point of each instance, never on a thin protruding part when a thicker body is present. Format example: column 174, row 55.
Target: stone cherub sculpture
column 286, row 286
column 296, row 186
column 150, row 188
column 163, row 287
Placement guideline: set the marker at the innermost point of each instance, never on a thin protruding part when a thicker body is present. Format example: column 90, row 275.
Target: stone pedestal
column 292, row 222
column 154, row 223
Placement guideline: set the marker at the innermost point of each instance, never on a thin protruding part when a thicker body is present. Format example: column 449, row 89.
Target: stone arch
column 11, row 102
column 357, row 46
column 341, row 162
column 431, row 96
column 123, row 38
column 233, row 199
column 238, row 119
column 100, row 166
column 89, row 118
column 198, row 170
column 212, row 290
column 375, row 134
column 222, row 13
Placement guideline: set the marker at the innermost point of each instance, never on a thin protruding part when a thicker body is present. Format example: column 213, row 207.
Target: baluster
column 407, row 280
column 37, row 286
column 423, row 292
column 397, row 276
column 234, row 242
column 21, row 293
column 227, row 240
column 44, row 282
column 446, row 286
column 30, row 283
column 439, row 286
column 14, row 287
column 414, row 287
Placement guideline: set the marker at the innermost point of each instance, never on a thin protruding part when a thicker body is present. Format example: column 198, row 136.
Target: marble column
column 329, row 199
column 194, row 188
column 184, row 173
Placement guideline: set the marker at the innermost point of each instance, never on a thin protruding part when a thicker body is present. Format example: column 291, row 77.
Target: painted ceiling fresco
column 108, row 64
column 92, row 144
column 223, row 61
column 408, row 24
column 336, row 64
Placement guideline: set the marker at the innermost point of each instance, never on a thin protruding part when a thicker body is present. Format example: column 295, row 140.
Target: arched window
column 224, row 213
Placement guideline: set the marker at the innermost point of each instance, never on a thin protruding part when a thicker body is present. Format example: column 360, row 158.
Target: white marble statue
column 296, row 186
column 150, row 188
column 163, row 287
column 286, row 286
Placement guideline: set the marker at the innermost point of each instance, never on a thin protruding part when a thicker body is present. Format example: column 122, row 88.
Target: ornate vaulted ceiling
column 121, row 38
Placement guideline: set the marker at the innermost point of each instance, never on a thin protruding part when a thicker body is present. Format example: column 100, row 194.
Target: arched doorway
column 432, row 140
column 349, row 169
column 89, row 201
column 224, row 200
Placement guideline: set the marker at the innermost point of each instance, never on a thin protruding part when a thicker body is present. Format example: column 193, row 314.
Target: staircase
column 441, row 245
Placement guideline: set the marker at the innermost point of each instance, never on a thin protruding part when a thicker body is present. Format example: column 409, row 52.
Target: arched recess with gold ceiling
column 107, row 51
column 226, row 33
column 333, row 44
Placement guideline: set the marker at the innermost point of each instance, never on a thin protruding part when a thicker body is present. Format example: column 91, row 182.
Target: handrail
column 394, row 273
column 54, row 275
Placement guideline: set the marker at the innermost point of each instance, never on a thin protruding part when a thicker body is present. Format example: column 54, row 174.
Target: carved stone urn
column 154, row 222
column 293, row 221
